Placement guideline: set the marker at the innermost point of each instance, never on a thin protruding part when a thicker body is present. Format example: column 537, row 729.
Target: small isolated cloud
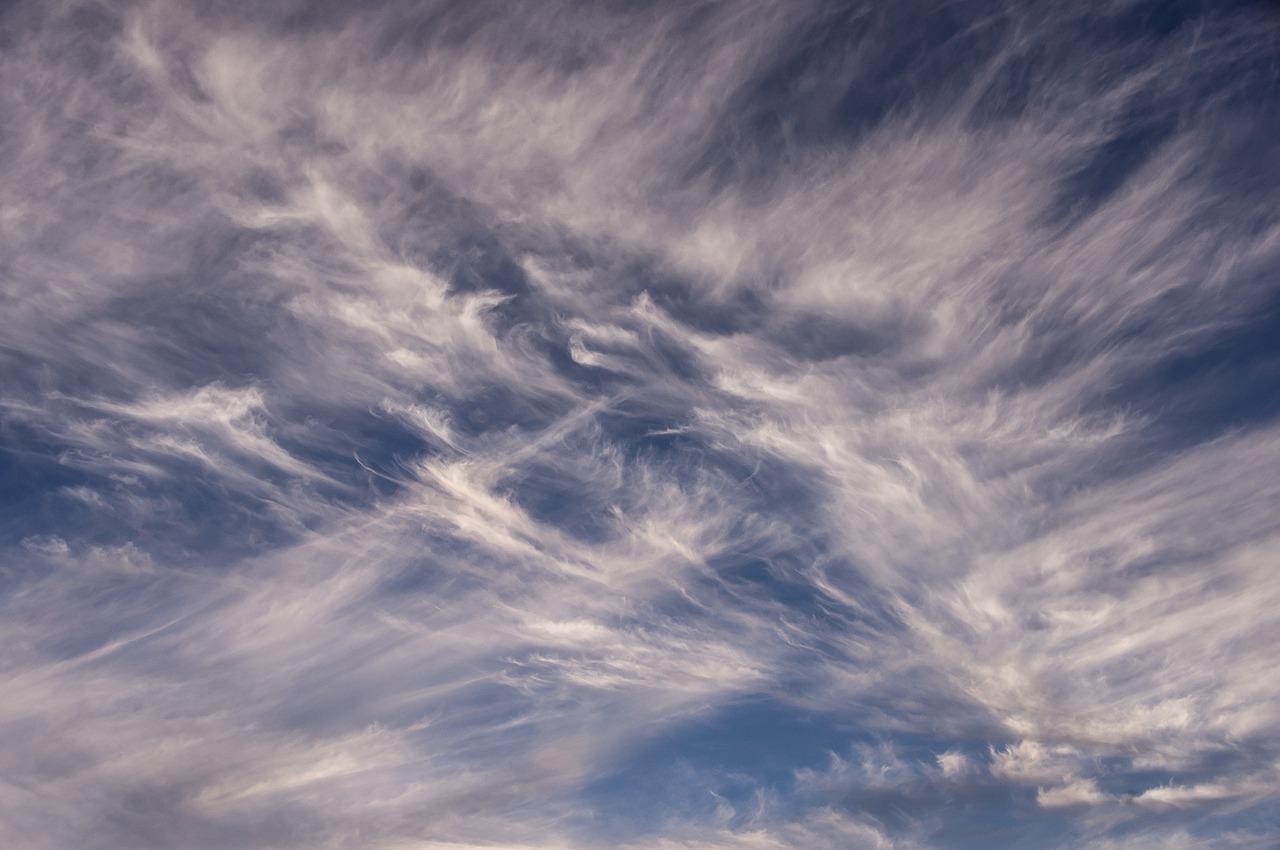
column 1079, row 792
column 955, row 765
column 1177, row 796
column 1034, row 763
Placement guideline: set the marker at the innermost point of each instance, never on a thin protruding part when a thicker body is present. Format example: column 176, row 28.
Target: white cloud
column 1079, row 792
column 249, row 249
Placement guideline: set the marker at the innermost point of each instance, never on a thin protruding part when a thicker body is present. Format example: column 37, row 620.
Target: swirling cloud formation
column 702, row 425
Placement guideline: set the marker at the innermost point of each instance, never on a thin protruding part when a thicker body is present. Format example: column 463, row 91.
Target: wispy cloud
column 447, row 425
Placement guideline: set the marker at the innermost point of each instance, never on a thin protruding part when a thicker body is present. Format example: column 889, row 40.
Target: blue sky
column 652, row 425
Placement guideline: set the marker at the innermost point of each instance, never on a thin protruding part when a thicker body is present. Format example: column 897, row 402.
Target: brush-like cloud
column 424, row 415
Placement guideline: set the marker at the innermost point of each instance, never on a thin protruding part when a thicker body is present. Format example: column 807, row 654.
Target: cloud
column 1077, row 793
column 822, row 828
column 431, row 424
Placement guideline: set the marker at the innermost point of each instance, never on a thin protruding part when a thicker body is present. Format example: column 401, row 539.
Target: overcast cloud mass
column 585, row 424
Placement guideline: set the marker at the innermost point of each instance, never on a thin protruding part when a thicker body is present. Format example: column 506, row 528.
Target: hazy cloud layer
column 675, row 426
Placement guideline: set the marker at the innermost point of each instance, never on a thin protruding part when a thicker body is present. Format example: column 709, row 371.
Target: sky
column 690, row 425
